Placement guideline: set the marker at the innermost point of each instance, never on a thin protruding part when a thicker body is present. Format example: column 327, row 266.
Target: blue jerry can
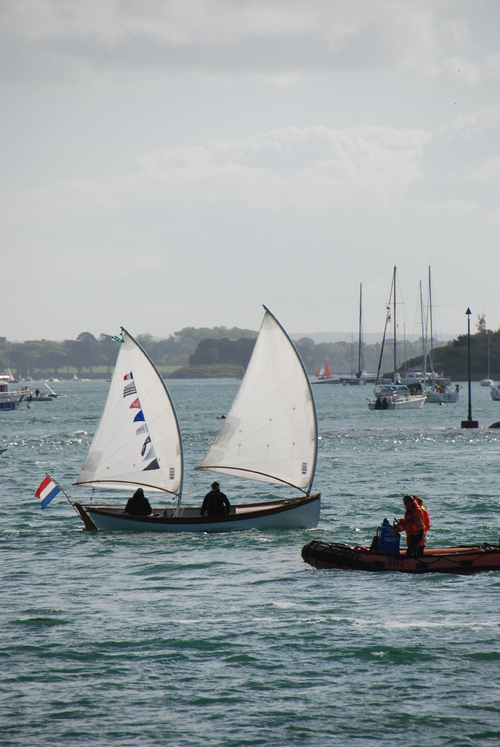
column 388, row 539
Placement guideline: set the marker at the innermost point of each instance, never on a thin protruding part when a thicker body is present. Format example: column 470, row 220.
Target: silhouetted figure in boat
column 138, row 505
column 412, row 524
column 215, row 503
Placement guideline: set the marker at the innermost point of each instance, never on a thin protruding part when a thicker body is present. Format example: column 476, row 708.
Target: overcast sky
column 179, row 163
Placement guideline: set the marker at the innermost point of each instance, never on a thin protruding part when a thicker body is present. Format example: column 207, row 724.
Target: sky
column 167, row 164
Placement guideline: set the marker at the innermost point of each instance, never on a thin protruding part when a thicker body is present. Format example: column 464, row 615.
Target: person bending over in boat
column 215, row 503
column 427, row 524
column 412, row 524
column 138, row 505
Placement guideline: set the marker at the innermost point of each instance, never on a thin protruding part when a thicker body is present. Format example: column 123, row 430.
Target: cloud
column 314, row 169
column 466, row 73
column 474, row 123
column 488, row 172
column 463, row 209
column 100, row 42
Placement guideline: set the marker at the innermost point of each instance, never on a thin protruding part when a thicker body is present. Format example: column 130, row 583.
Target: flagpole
column 64, row 493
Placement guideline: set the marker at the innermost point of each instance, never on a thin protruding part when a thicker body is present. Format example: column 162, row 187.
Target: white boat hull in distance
column 443, row 398
column 495, row 393
column 295, row 513
column 414, row 403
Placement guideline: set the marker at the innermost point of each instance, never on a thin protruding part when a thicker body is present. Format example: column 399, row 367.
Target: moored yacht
column 9, row 398
column 396, row 397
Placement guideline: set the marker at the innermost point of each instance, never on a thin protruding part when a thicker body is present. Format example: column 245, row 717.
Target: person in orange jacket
column 412, row 524
column 427, row 524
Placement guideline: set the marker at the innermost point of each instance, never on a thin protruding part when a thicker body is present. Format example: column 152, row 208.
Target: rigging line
column 191, row 485
column 179, row 497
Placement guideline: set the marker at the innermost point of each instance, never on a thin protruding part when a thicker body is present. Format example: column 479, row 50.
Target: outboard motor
column 388, row 539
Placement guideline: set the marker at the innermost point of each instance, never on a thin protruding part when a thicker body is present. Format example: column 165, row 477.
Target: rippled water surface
column 230, row 639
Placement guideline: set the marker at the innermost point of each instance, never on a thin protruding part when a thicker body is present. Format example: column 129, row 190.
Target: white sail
column 270, row 432
column 137, row 441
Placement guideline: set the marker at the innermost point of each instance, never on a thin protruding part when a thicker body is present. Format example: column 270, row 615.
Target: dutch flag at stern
column 47, row 490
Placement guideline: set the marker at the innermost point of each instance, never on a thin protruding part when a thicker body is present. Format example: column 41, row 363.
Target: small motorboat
column 396, row 397
column 462, row 560
column 10, row 399
column 39, row 398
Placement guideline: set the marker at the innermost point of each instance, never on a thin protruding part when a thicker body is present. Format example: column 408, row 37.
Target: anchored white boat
column 10, row 398
column 269, row 435
column 443, row 394
column 396, row 397
column 495, row 392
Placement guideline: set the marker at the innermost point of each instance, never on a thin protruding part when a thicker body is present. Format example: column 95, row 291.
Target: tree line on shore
column 223, row 351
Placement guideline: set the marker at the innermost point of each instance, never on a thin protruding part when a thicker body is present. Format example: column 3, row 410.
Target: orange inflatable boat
column 462, row 560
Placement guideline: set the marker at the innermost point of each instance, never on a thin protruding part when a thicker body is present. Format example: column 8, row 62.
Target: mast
column 404, row 344
column 394, row 307
column 360, row 341
column 387, row 320
column 431, row 354
column 424, row 350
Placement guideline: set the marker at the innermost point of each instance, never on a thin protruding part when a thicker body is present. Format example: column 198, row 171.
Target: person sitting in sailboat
column 138, row 505
column 412, row 524
column 215, row 503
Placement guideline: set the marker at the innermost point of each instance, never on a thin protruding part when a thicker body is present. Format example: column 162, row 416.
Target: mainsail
column 270, row 432
column 137, row 441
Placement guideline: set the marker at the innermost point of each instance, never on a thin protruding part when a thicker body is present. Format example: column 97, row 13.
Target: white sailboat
column 495, row 393
column 394, row 396
column 269, row 435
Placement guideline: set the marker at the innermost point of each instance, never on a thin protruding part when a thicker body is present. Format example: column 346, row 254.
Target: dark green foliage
column 236, row 352
column 452, row 359
column 233, row 347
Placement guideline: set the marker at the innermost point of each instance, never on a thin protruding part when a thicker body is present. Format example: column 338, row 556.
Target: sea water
column 230, row 639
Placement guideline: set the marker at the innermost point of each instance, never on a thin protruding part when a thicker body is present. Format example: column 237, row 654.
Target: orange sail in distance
column 325, row 373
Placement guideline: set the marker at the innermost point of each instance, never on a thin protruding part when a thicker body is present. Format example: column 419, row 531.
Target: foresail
column 137, row 441
column 270, row 432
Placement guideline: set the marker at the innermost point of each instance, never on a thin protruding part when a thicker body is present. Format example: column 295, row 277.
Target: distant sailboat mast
column 394, row 307
column 424, row 346
column 360, row 340
column 387, row 320
column 431, row 350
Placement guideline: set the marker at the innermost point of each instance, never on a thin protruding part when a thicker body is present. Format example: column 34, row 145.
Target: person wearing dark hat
column 412, row 524
column 138, row 505
column 215, row 503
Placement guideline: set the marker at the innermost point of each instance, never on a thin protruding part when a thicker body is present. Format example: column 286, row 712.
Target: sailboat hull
column 443, row 398
column 410, row 403
column 296, row 513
